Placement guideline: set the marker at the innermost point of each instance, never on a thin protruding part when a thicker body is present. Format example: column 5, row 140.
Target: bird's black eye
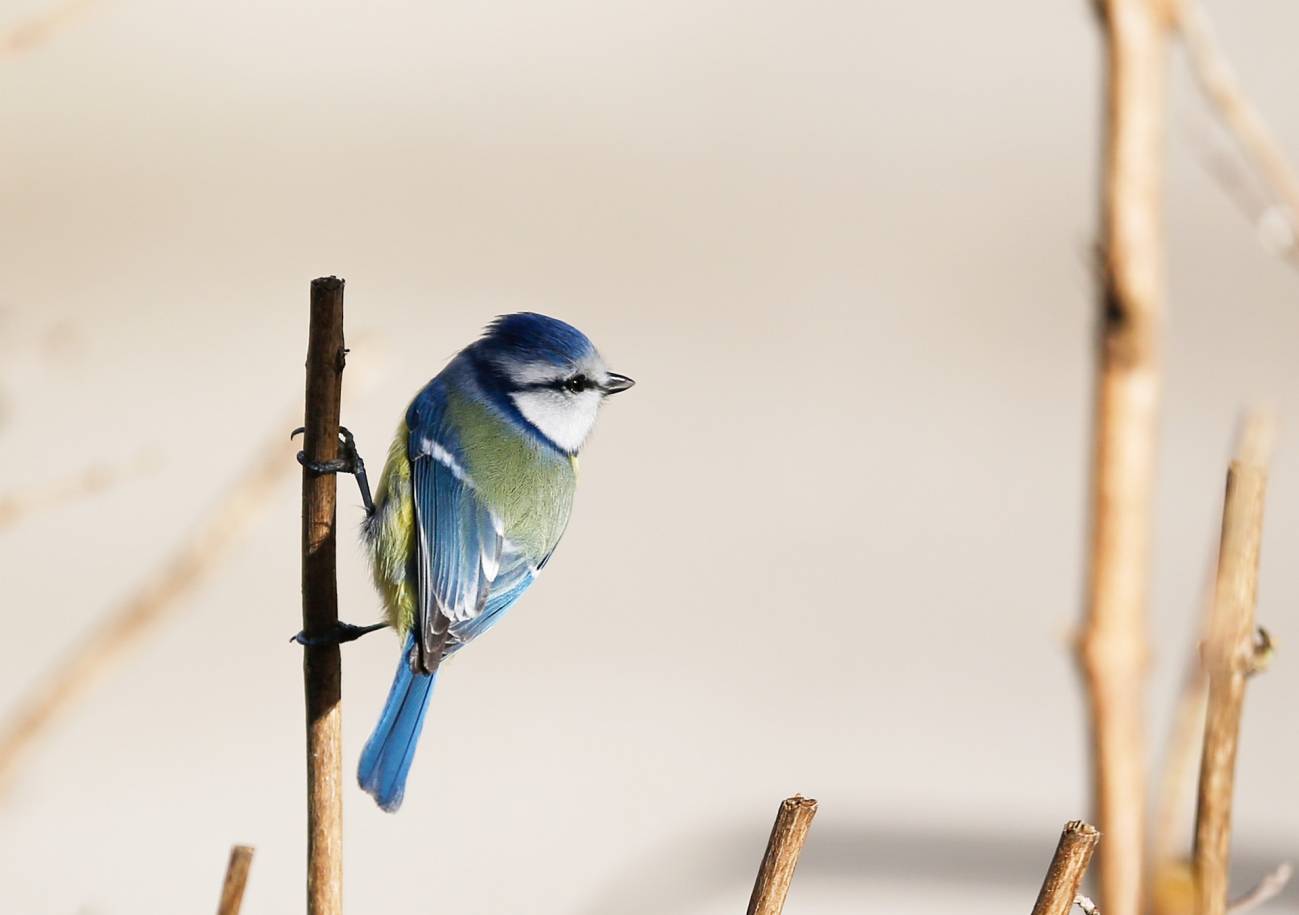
column 577, row 384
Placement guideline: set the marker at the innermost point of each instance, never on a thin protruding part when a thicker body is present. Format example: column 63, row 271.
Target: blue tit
column 470, row 506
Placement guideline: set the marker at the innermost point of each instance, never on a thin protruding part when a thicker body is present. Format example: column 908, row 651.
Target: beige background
column 831, row 543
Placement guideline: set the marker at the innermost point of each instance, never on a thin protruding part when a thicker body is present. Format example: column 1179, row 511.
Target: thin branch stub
column 788, row 834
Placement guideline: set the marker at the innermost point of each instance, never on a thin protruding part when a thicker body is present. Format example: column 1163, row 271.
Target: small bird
column 474, row 497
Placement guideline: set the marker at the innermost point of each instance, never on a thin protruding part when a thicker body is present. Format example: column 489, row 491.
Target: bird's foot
column 349, row 462
column 342, row 632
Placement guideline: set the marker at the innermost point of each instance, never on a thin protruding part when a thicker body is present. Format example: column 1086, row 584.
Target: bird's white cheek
column 564, row 419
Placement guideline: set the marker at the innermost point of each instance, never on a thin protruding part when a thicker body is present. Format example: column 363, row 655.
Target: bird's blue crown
column 529, row 337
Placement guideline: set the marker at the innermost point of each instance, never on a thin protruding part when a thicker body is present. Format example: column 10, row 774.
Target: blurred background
column 832, row 543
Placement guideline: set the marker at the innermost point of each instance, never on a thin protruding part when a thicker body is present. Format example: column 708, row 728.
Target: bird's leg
column 342, row 632
column 350, row 462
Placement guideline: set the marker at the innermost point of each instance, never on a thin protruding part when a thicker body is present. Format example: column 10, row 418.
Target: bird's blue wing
column 516, row 575
column 460, row 543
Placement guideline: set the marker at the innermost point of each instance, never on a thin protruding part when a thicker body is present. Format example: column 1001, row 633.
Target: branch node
column 1264, row 649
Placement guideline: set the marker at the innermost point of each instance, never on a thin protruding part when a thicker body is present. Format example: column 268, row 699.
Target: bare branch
column 1229, row 659
column 1266, row 889
column 1220, row 84
column 322, row 663
column 1068, row 865
column 232, row 890
column 161, row 595
column 1170, row 874
column 1113, row 649
column 783, row 848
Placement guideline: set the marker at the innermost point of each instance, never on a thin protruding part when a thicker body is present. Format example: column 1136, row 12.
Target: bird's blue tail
column 388, row 753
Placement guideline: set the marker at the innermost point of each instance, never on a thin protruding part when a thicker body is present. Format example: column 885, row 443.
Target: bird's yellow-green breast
column 391, row 536
column 526, row 483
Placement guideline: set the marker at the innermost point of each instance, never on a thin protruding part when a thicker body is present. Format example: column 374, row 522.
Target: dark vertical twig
column 321, row 667
column 232, row 890
column 1113, row 648
column 1064, row 876
column 1229, row 660
column 787, row 836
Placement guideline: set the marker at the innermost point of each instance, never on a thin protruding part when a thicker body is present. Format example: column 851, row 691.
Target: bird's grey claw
column 342, row 632
column 349, row 462
column 338, row 465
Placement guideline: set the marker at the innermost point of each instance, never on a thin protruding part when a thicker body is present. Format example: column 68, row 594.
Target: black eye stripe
column 574, row 384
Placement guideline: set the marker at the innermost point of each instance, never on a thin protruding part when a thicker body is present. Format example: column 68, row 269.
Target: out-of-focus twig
column 232, row 890
column 1219, row 82
column 1229, row 658
column 1068, row 865
column 1265, row 890
column 95, row 652
column 788, row 834
column 28, row 34
column 15, row 506
column 161, row 594
column 1112, row 650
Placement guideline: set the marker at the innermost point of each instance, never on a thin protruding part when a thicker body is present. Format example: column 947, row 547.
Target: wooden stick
column 321, row 664
column 787, row 836
column 232, row 890
column 1229, row 660
column 1220, row 84
column 1112, row 651
column 1170, row 867
column 1064, row 876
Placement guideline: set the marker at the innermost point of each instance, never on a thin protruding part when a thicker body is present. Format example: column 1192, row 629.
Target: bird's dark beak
column 616, row 383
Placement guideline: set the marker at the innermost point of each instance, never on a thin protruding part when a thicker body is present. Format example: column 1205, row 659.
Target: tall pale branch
column 1113, row 646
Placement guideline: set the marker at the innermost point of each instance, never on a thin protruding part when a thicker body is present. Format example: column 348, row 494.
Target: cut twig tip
column 788, row 834
column 1072, row 855
column 232, row 890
